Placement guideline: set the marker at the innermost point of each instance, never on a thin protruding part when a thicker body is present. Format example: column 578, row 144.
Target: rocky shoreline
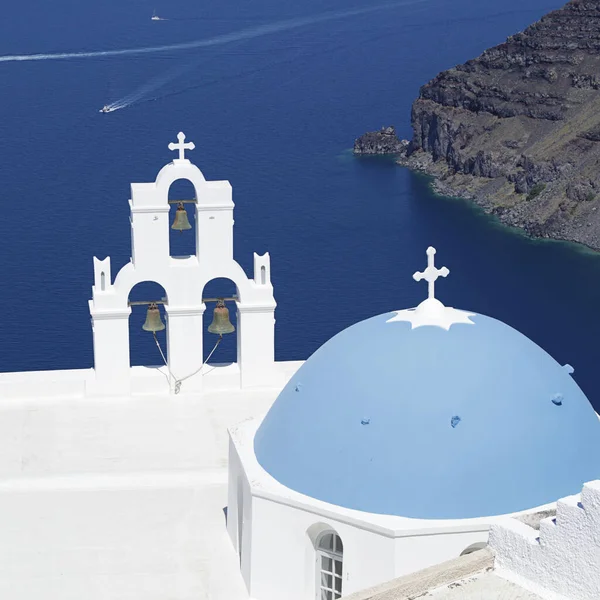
column 517, row 129
column 517, row 216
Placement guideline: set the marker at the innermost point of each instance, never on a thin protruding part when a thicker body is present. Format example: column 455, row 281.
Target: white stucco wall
column 413, row 553
column 239, row 513
column 279, row 528
column 284, row 557
column 370, row 557
column 562, row 559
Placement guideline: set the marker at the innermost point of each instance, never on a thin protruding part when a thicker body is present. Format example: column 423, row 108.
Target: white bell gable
column 183, row 279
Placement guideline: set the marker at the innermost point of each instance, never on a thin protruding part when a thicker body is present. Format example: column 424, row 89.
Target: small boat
column 155, row 17
column 106, row 109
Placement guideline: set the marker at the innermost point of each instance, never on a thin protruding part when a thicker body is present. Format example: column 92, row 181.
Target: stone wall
column 562, row 559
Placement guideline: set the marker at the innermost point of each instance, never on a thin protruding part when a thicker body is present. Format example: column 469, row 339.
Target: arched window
column 330, row 552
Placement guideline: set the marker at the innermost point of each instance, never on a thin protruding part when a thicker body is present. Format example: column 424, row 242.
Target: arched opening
column 329, row 565
column 263, row 275
column 226, row 352
column 102, row 281
column 182, row 242
column 142, row 347
column 473, row 548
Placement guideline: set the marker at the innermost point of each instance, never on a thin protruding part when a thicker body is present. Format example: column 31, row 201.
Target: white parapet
column 561, row 560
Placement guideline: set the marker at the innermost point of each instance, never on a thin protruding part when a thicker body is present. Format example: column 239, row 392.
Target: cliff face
column 518, row 128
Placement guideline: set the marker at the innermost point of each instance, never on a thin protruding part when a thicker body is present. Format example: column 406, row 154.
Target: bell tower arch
column 183, row 279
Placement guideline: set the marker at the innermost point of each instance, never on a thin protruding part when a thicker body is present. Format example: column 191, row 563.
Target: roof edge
column 419, row 583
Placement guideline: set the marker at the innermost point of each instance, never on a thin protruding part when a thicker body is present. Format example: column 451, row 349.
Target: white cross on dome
column 431, row 311
column 430, row 274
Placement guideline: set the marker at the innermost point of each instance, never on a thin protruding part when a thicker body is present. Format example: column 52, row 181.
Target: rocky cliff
column 518, row 128
column 384, row 141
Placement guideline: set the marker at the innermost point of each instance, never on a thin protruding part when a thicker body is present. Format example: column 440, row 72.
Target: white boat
column 106, row 109
column 155, row 17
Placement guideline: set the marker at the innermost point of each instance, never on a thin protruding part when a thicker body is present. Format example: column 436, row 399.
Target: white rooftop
column 105, row 498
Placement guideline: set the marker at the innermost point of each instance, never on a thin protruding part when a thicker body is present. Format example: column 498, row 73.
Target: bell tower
column 184, row 279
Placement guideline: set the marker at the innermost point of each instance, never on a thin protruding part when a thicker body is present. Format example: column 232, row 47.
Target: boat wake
column 146, row 92
column 153, row 85
column 142, row 94
column 236, row 36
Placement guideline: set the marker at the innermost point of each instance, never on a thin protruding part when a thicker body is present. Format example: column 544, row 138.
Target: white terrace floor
column 119, row 499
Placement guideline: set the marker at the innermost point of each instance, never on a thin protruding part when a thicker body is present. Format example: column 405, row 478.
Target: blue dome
column 431, row 423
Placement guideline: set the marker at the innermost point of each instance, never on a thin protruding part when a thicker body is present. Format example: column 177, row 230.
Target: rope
column 178, row 382
column 163, row 356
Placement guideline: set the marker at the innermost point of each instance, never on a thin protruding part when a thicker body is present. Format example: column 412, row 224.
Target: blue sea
column 273, row 95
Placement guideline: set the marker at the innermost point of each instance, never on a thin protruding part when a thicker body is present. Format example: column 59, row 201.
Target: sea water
column 273, row 106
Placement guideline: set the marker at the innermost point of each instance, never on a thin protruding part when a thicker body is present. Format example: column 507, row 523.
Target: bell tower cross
column 182, row 146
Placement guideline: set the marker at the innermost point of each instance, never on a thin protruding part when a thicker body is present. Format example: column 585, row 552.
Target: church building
column 396, row 446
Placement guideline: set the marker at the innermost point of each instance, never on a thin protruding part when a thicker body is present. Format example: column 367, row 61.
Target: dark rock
column 384, row 141
column 592, row 134
column 581, row 191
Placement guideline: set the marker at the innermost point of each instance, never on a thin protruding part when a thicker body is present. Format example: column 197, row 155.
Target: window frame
column 336, row 556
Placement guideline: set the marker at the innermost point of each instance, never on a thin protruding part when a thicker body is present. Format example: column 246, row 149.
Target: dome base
column 432, row 312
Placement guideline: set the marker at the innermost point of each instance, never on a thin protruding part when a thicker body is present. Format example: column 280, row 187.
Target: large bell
column 221, row 323
column 153, row 321
column 181, row 221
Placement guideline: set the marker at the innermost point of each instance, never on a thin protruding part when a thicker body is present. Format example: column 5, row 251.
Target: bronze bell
column 221, row 323
column 181, row 221
column 153, row 321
